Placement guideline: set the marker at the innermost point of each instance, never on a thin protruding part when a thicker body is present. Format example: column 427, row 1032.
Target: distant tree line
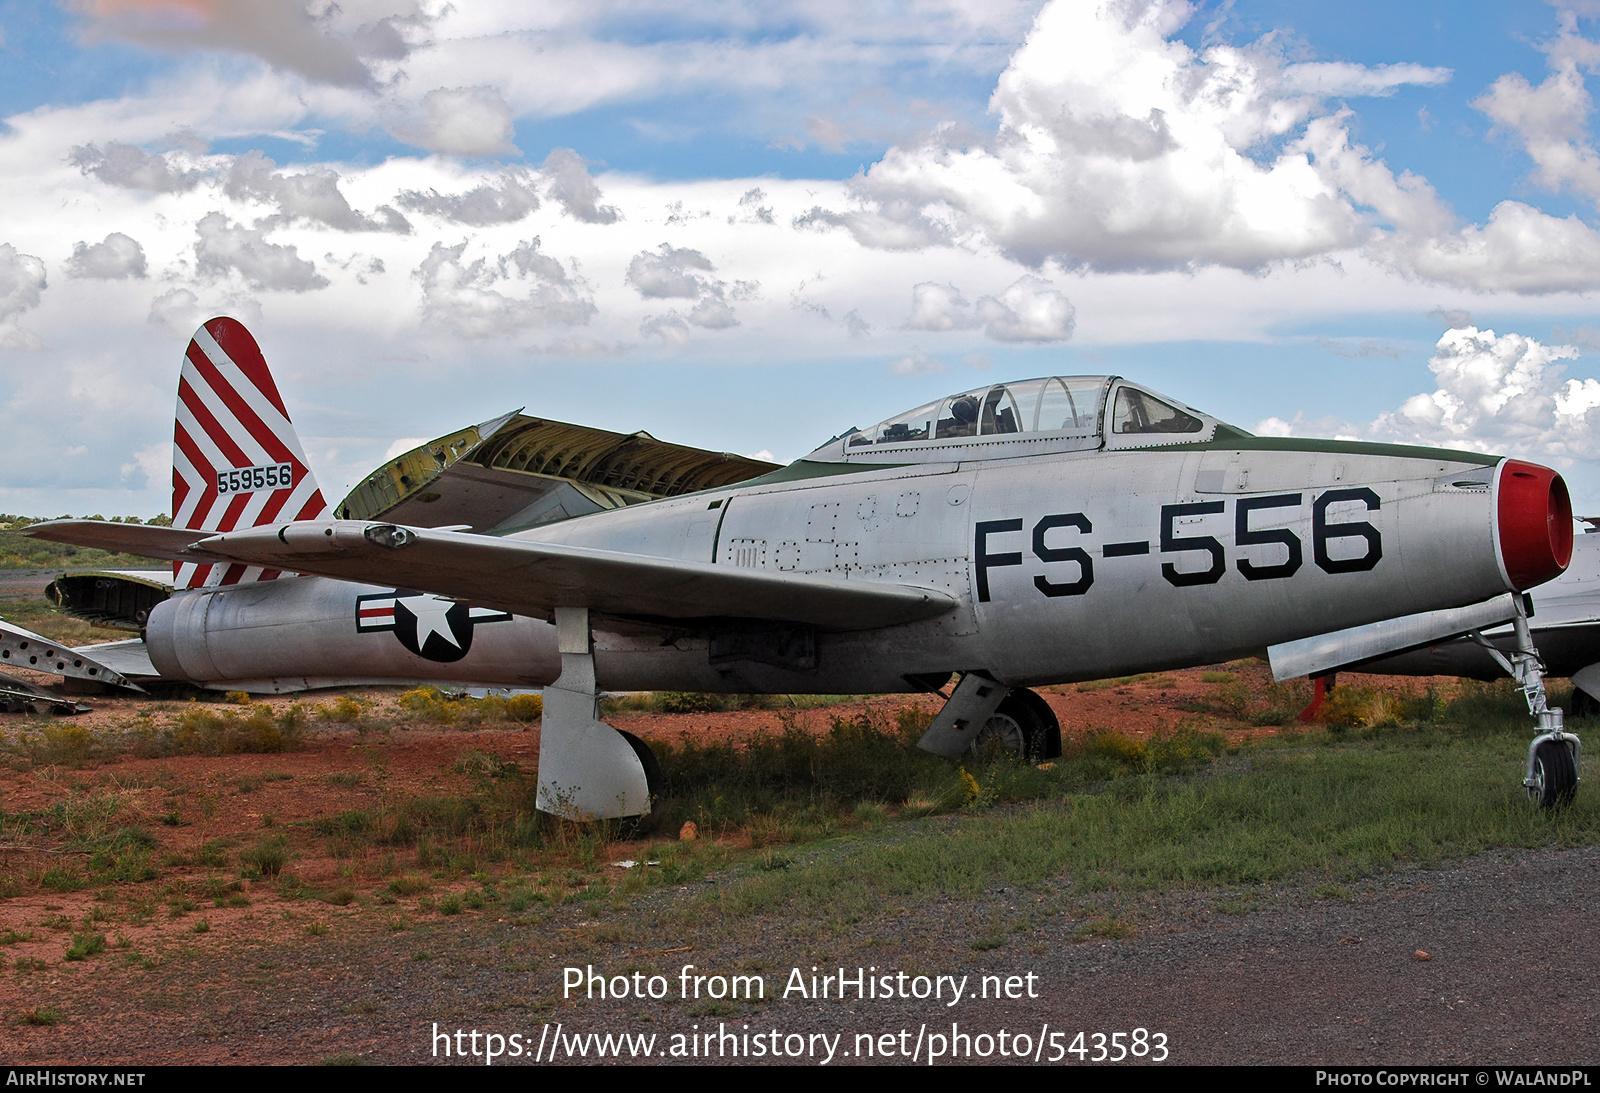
column 10, row 522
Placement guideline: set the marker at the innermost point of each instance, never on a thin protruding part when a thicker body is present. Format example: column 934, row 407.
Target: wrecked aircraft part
column 120, row 600
column 21, row 648
column 388, row 536
column 519, row 472
column 129, row 657
column 20, row 696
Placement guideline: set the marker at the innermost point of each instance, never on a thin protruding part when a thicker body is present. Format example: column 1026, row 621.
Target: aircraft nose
column 1535, row 516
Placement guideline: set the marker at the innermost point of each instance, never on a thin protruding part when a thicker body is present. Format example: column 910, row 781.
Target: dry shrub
column 1363, row 706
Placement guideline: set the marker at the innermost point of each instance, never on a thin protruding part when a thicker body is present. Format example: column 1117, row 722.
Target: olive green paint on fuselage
column 1246, row 443
column 802, row 469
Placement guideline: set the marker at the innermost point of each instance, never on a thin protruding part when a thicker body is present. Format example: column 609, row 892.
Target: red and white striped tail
column 236, row 461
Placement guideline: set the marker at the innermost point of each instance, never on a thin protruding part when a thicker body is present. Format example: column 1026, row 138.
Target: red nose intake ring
column 1535, row 523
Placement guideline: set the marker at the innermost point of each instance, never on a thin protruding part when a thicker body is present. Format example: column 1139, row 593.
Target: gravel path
column 1511, row 978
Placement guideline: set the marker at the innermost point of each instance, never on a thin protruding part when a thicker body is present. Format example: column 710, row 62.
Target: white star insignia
column 430, row 613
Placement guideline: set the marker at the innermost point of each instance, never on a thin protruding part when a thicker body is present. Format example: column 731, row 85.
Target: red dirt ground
column 188, row 801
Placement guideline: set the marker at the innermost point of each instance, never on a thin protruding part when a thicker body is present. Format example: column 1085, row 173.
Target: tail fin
column 236, row 461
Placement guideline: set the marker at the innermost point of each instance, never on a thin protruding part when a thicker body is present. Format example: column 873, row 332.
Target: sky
column 750, row 227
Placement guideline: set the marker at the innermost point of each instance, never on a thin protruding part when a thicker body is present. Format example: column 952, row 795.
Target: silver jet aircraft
column 1017, row 535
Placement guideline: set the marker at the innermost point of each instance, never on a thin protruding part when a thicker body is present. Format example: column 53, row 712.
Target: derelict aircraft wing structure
column 1020, row 534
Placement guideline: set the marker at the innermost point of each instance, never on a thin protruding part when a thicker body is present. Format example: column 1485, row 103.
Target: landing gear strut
column 1555, row 755
column 587, row 769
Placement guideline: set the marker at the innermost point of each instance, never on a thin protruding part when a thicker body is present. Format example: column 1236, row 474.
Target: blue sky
column 754, row 226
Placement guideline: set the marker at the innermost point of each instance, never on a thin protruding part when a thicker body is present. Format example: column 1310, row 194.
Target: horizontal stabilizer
column 168, row 544
column 1325, row 652
column 130, row 657
column 533, row 578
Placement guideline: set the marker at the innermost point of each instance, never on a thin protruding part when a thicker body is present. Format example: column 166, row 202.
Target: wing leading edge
column 532, row 578
column 148, row 540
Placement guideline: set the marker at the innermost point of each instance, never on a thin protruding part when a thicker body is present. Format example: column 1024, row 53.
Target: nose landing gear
column 1555, row 755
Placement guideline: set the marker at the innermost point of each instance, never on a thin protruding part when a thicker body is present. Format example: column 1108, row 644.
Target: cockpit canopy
column 1026, row 417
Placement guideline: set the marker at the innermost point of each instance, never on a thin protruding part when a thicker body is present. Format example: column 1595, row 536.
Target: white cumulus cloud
column 462, row 121
column 1031, row 310
column 501, row 201
column 681, row 273
column 673, row 272
column 1551, row 120
column 115, row 258
column 133, row 168
column 938, row 307
column 468, row 297
column 1118, row 147
column 311, row 195
column 1501, row 393
column 574, row 190
column 224, row 248
column 283, row 33
column 22, row 284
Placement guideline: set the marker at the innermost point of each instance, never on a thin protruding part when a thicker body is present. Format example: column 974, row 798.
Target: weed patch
column 86, row 945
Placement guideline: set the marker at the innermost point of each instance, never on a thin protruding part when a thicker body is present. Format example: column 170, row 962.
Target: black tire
column 1022, row 725
column 1555, row 775
column 1584, row 703
column 633, row 827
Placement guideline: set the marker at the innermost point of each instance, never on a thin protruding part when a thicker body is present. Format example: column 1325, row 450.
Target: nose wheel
column 1553, row 781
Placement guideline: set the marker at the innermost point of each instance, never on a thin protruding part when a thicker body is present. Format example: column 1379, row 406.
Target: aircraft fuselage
column 1078, row 566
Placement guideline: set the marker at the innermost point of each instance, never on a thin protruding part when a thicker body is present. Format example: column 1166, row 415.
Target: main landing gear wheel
column 633, row 827
column 1022, row 725
column 1555, row 776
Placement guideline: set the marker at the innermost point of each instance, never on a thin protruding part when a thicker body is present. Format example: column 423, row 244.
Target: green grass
column 86, row 945
column 49, row 621
column 1336, row 807
column 267, row 857
column 1115, row 814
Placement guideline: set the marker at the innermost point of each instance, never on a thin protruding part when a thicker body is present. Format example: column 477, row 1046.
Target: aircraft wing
column 1325, row 652
column 532, row 578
